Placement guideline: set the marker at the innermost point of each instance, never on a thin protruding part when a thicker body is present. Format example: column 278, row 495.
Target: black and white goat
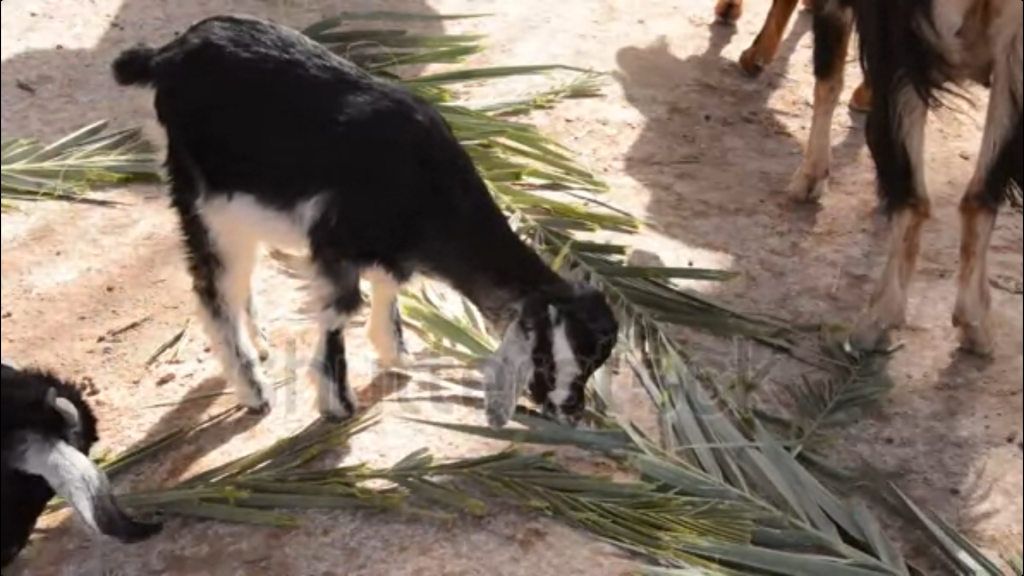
column 47, row 431
column 272, row 138
column 914, row 51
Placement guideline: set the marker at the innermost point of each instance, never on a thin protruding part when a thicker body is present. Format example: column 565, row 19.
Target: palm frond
column 1016, row 562
column 817, row 405
column 965, row 557
column 72, row 166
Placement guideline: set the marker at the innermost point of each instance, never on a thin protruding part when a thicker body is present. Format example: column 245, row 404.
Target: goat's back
column 263, row 109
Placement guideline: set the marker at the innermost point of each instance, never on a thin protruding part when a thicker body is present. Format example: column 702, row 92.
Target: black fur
column 1008, row 171
column 896, row 55
column 828, row 30
column 257, row 109
column 134, row 66
column 24, row 497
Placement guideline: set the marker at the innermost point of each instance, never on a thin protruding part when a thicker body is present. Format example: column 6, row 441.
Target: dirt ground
column 682, row 137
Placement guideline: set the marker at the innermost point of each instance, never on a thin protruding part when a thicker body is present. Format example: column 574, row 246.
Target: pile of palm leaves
column 725, row 486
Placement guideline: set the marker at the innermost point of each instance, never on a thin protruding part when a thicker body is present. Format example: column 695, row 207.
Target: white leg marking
column 235, row 241
column 381, row 330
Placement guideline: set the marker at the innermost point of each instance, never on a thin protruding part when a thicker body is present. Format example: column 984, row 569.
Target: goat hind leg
column 997, row 168
column 895, row 135
column 221, row 262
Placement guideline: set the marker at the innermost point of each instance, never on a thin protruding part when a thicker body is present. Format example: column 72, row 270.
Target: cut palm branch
column 71, row 167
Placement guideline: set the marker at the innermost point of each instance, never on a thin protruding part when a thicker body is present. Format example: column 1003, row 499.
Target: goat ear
column 505, row 373
column 64, row 407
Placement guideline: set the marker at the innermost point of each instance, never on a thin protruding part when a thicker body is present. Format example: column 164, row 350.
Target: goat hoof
column 262, row 346
column 975, row 337
column 257, row 404
column 392, row 362
column 336, row 416
column 804, row 187
column 728, row 12
column 752, row 63
column 859, row 107
column 861, row 100
column 260, row 410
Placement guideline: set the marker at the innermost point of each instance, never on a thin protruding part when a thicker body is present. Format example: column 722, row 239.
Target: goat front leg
column 337, row 298
column 833, row 26
column 384, row 327
column 895, row 136
column 762, row 51
column 221, row 258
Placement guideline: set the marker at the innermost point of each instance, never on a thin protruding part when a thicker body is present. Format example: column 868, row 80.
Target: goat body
column 273, row 139
column 47, row 432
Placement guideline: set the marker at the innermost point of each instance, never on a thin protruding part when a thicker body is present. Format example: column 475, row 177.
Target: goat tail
column 136, row 66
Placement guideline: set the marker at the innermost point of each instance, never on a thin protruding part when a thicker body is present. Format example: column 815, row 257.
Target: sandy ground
column 682, row 137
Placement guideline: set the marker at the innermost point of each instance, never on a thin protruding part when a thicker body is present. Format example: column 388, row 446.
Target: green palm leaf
column 70, row 167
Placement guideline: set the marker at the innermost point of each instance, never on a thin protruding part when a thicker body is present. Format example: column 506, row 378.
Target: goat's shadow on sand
column 48, row 93
column 731, row 158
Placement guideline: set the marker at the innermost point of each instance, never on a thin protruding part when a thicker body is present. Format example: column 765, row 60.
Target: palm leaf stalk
column 72, row 166
column 722, row 490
